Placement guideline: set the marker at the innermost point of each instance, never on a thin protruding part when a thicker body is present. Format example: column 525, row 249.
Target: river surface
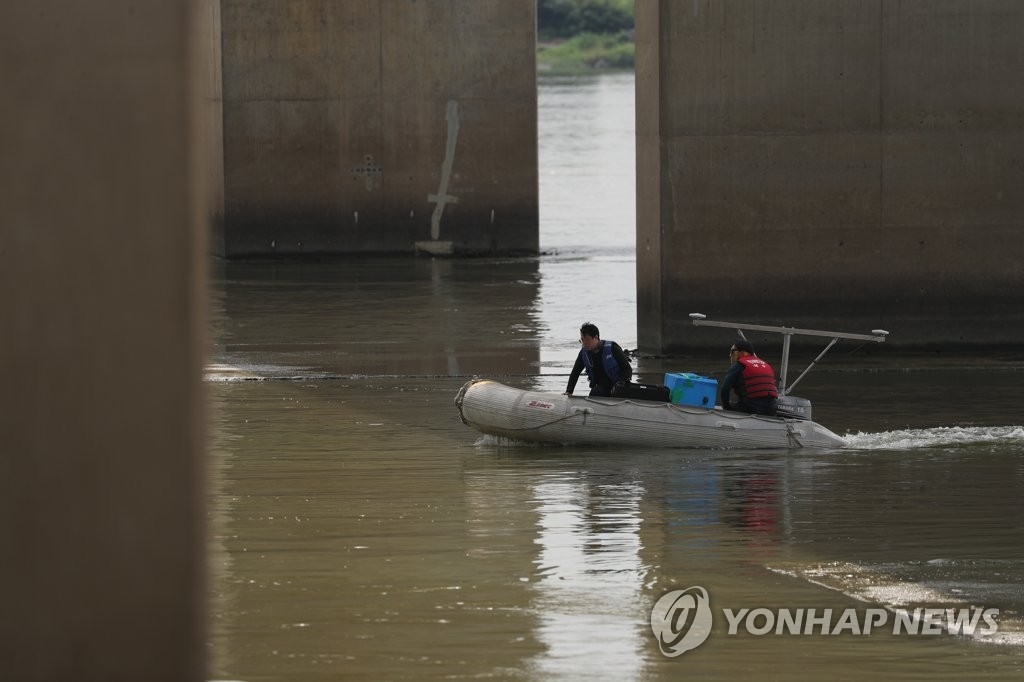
column 359, row 530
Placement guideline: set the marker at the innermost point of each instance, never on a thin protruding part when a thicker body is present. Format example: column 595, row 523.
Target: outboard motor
column 791, row 407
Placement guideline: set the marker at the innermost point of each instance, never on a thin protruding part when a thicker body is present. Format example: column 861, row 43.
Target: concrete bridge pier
column 379, row 126
column 105, row 131
column 845, row 165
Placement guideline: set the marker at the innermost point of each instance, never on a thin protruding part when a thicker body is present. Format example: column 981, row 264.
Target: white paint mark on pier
column 442, row 197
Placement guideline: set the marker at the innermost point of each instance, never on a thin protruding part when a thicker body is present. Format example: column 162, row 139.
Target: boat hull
column 499, row 410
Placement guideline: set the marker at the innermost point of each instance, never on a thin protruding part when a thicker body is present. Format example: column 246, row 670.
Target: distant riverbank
column 587, row 52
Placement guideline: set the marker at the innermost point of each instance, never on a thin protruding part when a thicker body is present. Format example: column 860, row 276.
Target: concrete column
column 848, row 164
column 104, row 227
column 380, row 126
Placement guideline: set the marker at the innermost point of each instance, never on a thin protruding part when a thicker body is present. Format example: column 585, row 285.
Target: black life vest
column 608, row 361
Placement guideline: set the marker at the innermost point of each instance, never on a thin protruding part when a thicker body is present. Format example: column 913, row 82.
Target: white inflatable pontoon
column 500, row 410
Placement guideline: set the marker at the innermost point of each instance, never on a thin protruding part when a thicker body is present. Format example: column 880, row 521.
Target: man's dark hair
column 743, row 344
column 589, row 329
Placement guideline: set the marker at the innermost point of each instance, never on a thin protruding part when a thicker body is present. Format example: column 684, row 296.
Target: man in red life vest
column 752, row 379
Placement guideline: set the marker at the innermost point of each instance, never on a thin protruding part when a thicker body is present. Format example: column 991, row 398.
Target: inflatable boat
column 497, row 409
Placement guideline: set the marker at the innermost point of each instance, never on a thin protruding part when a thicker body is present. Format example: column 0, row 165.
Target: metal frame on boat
column 499, row 410
column 876, row 336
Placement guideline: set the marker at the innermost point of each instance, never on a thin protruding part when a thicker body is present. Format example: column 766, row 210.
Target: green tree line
column 568, row 18
column 577, row 35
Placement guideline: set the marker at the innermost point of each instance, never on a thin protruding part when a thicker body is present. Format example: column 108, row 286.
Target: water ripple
column 908, row 439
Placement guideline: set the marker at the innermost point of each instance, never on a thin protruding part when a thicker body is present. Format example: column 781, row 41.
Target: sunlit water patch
column 223, row 371
column 961, row 586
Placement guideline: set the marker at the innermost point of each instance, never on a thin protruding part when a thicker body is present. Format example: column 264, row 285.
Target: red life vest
column 758, row 378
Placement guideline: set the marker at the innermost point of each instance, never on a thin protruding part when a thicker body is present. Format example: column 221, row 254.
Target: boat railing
column 876, row 336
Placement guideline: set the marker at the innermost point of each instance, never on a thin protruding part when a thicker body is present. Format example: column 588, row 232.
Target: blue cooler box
column 690, row 389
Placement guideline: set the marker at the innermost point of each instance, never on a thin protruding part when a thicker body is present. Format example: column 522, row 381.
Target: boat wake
column 503, row 442
column 906, row 439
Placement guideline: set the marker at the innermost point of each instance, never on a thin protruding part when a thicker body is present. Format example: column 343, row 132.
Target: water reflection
column 378, row 316
column 351, row 516
column 589, row 578
column 750, row 501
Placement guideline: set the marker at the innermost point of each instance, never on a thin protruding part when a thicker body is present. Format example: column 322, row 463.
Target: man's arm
column 575, row 375
column 728, row 383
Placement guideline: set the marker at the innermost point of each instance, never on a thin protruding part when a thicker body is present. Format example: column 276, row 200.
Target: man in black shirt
column 604, row 362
